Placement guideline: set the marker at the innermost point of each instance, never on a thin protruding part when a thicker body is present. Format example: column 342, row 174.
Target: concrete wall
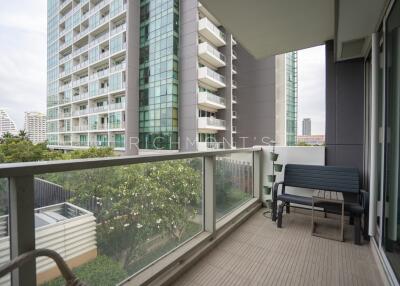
column 255, row 99
column 344, row 111
column 188, row 61
column 132, row 78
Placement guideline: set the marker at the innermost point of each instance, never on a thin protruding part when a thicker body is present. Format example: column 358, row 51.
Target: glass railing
column 114, row 217
column 118, row 29
column 232, row 190
column 116, row 106
column 214, row 75
column 210, row 49
column 210, row 25
column 208, row 96
column 211, row 121
column 116, row 125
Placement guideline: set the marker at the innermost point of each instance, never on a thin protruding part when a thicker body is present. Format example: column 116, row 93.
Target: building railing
column 210, row 25
column 118, row 29
column 213, row 51
column 211, row 121
column 208, row 96
column 212, row 74
column 129, row 202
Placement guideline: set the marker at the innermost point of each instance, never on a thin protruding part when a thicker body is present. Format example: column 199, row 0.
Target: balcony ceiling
column 271, row 27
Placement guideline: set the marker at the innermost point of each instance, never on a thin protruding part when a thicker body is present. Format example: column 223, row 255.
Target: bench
column 332, row 178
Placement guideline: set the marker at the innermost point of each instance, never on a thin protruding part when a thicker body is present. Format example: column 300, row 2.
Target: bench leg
column 280, row 212
column 357, row 230
column 274, row 209
column 351, row 219
column 365, row 227
column 288, row 208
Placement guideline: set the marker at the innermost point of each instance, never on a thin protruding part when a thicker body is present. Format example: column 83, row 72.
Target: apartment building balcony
column 234, row 55
column 211, row 32
column 116, row 106
column 65, row 115
column 234, row 99
column 211, row 55
column 99, row 109
column 234, row 69
column 80, row 128
column 234, row 129
column 78, row 113
column 211, row 78
column 234, row 84
column 80, row 97
column 116, row 126
column 211, row 123
column 231, row 242
column 118, row 68
column 206, row 146
column 234, row 114
column 80, row 143
column 118, row 29
column 99, row 74
column 211, row 100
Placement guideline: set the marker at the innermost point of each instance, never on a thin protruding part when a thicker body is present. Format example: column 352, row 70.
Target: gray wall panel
column 256, row 99
column 188, row 74
column 344, row 111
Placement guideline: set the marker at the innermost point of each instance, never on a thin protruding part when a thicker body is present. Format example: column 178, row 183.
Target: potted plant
column 276, row 168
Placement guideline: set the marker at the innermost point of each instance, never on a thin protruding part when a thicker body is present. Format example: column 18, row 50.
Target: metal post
column 257, row 175
column 209, row 194
column 374, row 136
column 22, row 228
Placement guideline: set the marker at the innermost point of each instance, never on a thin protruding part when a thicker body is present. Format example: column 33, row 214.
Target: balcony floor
column 258, row 253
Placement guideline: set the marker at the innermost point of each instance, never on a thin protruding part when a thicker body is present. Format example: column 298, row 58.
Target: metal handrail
column 43, row 167
column 22, row 259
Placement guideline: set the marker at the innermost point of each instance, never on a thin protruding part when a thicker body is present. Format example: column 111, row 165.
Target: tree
column 137, row 203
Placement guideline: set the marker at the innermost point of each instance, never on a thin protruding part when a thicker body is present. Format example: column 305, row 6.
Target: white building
column 6, row 124
column 35, row 126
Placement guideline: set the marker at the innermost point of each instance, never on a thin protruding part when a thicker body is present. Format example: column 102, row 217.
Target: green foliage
column 20, row 149
column 92, row 152
column 137, row 203
column 103, row 271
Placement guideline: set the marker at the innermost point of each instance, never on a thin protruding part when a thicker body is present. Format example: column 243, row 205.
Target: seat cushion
column 295, row 199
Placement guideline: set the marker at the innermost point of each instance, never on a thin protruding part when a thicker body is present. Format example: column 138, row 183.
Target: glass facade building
column 159, row 82
column 291, row 98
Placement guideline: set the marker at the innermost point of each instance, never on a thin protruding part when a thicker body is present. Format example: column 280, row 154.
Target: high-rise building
column 158, row 74
column 306, row 131
column 35, row 126
column 286, row 99
column 7, row 125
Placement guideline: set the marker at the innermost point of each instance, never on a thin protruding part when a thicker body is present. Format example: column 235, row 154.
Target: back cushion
column 331, row 178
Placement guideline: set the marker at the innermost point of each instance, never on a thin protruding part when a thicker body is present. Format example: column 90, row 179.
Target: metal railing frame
column 21, row 186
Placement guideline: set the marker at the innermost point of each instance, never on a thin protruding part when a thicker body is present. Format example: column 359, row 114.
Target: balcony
column 211, row 100
column 211, row 123
column 211, row 78
column 234, row 84
column 211, row 32
column 206, row 146
column 211, row 55
column 226, row 239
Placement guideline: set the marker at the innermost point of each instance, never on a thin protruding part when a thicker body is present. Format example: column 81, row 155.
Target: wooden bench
column 331, row 178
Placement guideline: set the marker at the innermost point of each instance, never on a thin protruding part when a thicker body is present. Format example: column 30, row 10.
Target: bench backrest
column 332, row 178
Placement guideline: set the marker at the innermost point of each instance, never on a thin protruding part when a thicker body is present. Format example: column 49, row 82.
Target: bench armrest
column 275, row 190
column 364, row 200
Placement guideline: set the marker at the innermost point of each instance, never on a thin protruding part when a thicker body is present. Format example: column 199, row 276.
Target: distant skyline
column 311, row 92
column 23, row 26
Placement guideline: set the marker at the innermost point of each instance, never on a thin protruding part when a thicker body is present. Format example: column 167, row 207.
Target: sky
column 311, row 92
column 23, row 66
column 23, row 57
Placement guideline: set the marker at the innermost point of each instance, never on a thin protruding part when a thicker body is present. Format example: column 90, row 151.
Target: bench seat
column 333, row 178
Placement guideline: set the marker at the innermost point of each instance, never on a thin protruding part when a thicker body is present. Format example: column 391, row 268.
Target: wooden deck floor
column 258, row 253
